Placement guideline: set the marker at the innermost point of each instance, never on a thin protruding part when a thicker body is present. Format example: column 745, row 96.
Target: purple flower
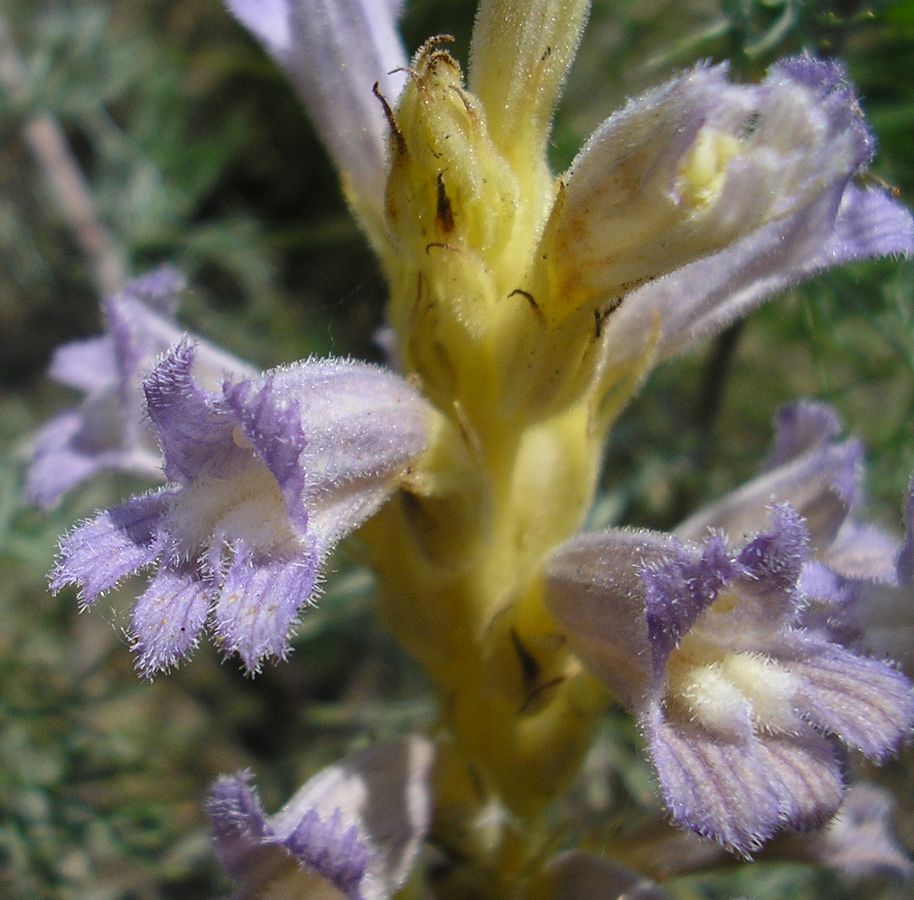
column 741, row 695
column 265, row 476
column 108, row 430
column 357, row 826
column 698, row 201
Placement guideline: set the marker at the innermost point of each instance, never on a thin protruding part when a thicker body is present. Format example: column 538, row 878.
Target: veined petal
column 718, row 788
column 357, row 824
column 102, row 551
column 739, row 792
column 821, row 482
column 869, row 224
column 168, row 618
column 810, row 776
column 195, row 434
column 859, row 840
column 334, row 51
column 865, row 702
column 697, row 301
column 259, row 603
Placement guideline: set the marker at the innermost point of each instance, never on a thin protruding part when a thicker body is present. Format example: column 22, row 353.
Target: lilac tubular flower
column 265, row 476
column 334, row 51
column 357, row 826
column 754, row 185
column 741, row 692
column 108, row 430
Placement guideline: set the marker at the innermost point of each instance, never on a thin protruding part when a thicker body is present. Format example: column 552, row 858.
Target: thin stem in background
column 49, row 146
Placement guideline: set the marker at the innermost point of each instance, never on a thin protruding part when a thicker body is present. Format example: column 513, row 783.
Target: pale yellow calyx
column 704, row 170
column 463, row 222
column 448, row 184
column 467, row 198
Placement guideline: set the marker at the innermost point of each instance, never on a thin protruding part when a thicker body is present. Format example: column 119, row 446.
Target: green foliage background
column 198, row 153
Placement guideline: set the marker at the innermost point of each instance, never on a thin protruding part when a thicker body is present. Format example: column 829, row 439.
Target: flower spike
column 264, row 478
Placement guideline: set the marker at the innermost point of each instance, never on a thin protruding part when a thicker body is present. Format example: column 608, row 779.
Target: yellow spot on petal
column 704, row 170
column 725, row 603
